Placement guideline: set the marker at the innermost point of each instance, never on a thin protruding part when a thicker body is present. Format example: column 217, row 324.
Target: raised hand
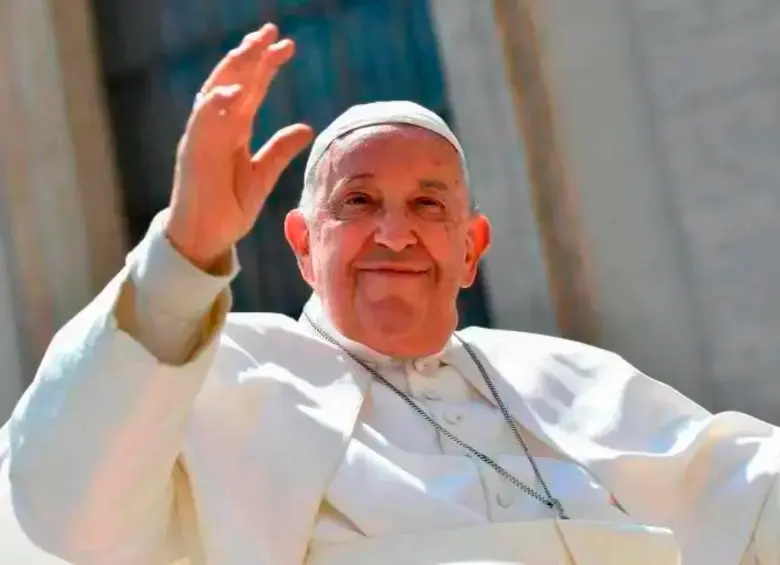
column 219, row 188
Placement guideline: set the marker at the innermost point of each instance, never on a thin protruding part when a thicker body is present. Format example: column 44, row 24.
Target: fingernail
column 246, row 44
column 250, row 37
column 267, row 27
column 232, row 90
column 228, row 92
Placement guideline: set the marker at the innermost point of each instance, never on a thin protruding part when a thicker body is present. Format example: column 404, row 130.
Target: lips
column 391, row 269
column 392, row 273
column 395, row 271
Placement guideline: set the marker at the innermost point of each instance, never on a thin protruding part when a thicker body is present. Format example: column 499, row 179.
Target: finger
column 239, row 63
column 259, row 174
column 271, row 61
column 212, row 118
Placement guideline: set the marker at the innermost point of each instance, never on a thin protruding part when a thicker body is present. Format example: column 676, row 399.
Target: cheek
column 339, row 247
column 448, row 251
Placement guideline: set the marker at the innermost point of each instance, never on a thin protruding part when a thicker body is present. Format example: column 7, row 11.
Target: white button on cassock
column 453, row 417
column 504, row 499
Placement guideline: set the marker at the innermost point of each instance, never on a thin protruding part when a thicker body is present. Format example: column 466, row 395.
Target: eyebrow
column 340, row 184
column 434, row 184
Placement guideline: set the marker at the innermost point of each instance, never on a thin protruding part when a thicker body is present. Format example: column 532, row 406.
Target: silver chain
column 546, row 499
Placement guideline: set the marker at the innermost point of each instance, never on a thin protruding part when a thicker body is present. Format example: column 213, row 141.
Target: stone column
column 61, row 224
column 481, row 105
column 645, row 300
column 10, row 381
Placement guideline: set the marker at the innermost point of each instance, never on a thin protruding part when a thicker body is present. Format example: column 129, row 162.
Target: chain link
column 546, row 499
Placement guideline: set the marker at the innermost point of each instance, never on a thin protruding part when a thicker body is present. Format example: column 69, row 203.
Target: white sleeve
column 765, row 545
column 169, row 299
column 94, row 441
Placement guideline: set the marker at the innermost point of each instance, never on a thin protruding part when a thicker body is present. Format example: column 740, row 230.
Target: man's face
column 391, row 239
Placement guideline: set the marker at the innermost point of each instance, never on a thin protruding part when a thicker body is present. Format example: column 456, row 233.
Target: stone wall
column 710, row 71
column 60, row 228
column 685, row 225
column 670, row 116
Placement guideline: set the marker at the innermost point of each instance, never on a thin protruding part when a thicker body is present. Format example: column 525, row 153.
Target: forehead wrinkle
column 324, row 168
column 358, row 176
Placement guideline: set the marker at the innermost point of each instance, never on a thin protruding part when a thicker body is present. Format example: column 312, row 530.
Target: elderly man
column 159, row 428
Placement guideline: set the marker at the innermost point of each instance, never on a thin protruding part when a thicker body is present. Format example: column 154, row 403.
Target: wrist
column 169, row 281
column 211, row 262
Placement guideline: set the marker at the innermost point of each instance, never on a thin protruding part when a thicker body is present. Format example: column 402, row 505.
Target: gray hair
column 306, row 202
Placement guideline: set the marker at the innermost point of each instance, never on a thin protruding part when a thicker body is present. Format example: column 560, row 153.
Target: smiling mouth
column 395, row 271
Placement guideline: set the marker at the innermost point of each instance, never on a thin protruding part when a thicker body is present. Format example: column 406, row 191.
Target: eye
column 429, row 204
column 357, row 199
column 354, row 204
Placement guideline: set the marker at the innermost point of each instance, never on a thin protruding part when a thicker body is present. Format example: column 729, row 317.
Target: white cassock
column 271, row 446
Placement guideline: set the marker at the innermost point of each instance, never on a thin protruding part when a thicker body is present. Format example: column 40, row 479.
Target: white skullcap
column 377, row 113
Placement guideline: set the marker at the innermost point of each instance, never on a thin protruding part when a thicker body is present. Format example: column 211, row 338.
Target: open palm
column 219, row 186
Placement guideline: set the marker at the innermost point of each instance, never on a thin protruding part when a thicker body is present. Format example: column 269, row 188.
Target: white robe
column 271, row 446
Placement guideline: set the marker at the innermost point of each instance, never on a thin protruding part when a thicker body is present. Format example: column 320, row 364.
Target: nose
column 394, row 231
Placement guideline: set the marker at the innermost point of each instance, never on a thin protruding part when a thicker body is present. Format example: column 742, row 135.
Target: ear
column 296, row 231
column 476, row 246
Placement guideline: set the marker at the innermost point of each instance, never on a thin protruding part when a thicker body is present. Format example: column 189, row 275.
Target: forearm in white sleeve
column 169, row 300
column 95, row 439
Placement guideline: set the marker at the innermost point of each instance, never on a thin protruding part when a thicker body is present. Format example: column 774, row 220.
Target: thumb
column 267, row 165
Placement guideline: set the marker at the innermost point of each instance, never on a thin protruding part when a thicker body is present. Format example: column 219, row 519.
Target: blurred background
column 627, row 158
